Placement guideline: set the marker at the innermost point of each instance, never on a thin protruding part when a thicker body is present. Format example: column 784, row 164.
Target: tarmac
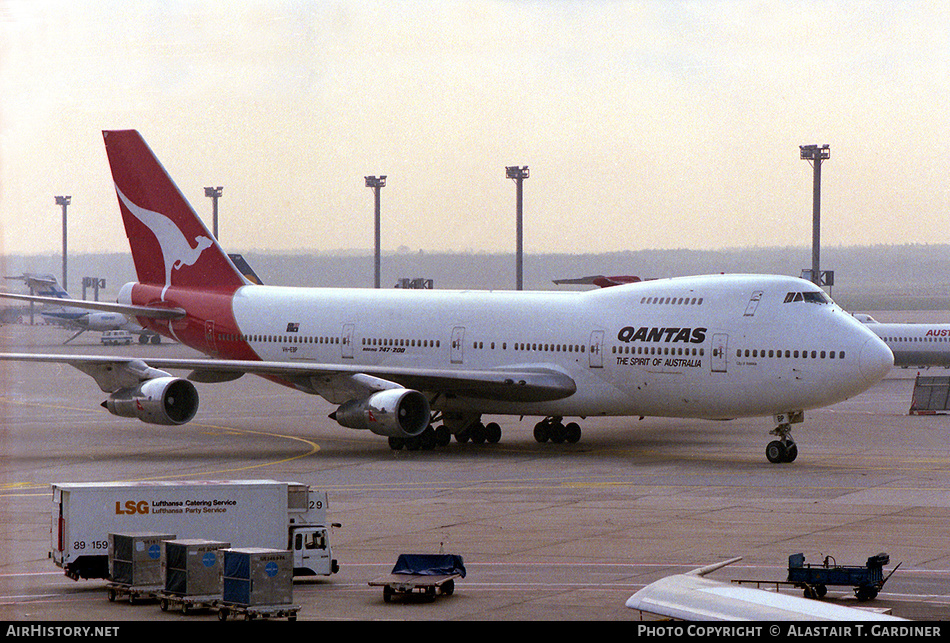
column 547, row 532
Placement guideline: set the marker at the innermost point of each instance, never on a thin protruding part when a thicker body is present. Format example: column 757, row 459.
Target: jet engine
column 394, row 413
column 106, row 321
column 162, row 400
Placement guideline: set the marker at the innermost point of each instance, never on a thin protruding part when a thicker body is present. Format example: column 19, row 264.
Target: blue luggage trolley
column 867, row 581
column 425, row 574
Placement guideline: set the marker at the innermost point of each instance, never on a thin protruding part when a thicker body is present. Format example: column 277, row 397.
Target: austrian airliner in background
column 398, row 361
column 920, row 344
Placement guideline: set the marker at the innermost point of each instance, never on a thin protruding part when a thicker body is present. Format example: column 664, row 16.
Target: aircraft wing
column 333, row 381
column 136, row 311
column 693, row 597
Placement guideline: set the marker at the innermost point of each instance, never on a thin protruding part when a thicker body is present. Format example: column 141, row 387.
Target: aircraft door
column 596, row 355
column 458, row 339
column 720, row 342
column 346, row 341
column 209, row 335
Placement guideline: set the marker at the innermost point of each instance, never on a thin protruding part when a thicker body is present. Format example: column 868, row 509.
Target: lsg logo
column 131, row 508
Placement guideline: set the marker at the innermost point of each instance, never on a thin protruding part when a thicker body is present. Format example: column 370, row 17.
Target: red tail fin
column 170, row 245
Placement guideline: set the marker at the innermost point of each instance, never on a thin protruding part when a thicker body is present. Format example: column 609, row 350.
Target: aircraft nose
column 876, row 360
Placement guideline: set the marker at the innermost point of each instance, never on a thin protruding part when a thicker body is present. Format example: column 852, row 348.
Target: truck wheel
column 448, row 588
column 163, row 604
column 222, row 614
column 387, row 593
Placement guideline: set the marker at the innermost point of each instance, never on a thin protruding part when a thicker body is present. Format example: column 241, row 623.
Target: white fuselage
column 915, row 344
column 717, row 346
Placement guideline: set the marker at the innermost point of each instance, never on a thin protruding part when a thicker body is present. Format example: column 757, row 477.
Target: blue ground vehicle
column 867, row 581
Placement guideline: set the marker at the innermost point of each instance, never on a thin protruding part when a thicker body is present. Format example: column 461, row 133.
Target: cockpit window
column 812, row 297
column 817, row 297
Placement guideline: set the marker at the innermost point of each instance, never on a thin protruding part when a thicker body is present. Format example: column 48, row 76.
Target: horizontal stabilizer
column 134, row 311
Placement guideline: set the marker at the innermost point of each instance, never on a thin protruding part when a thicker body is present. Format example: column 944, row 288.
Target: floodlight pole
column 815, row 155
column 214, row 194
column 64, row 202
column 376, row 182
column 518, row 174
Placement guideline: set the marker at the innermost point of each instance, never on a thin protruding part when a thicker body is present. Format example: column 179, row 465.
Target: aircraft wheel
column 478, row 433
column 396, row 443
column 443, row 436
column 427, row 439
column 573, row 430
column 541, row 433
column 558, row 433
column 492, row 433
column 791, row 452
column 775, row 452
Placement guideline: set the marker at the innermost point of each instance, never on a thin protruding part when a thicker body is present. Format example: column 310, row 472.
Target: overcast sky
column 649, row 124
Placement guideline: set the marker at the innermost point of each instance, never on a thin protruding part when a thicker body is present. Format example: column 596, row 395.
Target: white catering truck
column 244, row 513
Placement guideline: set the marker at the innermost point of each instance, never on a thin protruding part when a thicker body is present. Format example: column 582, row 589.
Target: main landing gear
column 552, row 429
column 469, row 428
column 432, row 437
column 784, row 449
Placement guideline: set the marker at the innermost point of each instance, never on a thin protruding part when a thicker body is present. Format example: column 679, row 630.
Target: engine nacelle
column 163, row 400
column 394, row 413
column 106, row 321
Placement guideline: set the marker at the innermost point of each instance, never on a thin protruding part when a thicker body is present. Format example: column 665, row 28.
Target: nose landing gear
column 784, row 449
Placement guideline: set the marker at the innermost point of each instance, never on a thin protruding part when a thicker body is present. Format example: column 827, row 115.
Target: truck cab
column 311, row 549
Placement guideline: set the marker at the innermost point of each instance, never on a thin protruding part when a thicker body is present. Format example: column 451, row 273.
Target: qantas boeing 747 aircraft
column 396, row 361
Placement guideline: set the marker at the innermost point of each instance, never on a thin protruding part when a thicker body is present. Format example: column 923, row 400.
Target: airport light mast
column 518, row 174
column 214, row 194
column 376, row 182
column 64, row 202
column 815, row 155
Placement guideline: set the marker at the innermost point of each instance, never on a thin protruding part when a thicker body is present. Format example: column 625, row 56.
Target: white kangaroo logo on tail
column 176, row 250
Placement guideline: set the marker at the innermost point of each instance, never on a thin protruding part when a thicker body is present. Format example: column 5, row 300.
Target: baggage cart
column 427, row 575
column 251, row 612
column 257, row 583
column 187, row 603
column 866, row 580
column 132, row 593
